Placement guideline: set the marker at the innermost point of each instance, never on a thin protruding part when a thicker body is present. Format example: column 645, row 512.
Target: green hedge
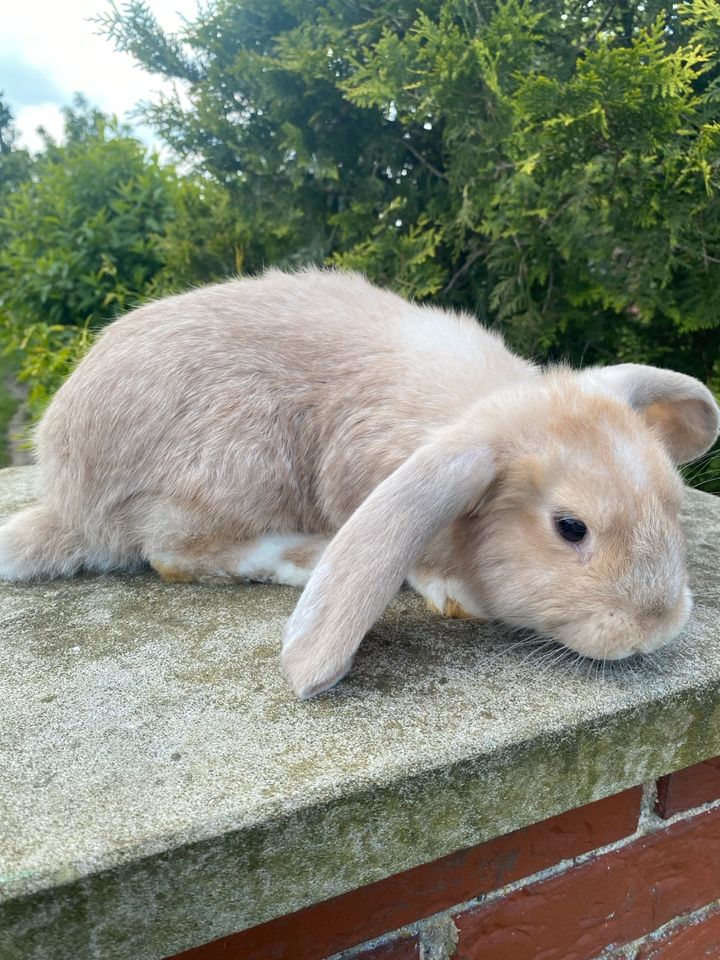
column 552, row 166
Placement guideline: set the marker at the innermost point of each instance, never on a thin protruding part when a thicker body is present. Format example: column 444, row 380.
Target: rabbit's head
column 560, row 500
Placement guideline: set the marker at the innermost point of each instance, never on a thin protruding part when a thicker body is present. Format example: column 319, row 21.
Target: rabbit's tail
column 35, row 543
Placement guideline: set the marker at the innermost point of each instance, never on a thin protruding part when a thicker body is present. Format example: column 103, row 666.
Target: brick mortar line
column 439, row 928
column 629, row 951
column 648, row 818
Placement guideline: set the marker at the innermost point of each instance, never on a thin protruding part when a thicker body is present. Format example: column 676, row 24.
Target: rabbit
column 312, row 429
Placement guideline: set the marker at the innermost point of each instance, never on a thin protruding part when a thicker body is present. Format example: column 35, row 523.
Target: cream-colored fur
column 287, row 558
column 204, row 430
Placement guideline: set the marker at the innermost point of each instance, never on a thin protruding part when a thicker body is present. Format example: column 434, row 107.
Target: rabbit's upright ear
column 679, row 407
column 368, row 559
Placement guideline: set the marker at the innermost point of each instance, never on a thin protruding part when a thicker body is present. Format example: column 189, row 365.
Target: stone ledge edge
column 191, row 895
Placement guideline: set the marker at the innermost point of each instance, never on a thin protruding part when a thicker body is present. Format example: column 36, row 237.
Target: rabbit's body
column 313, row 429
column 254, row 406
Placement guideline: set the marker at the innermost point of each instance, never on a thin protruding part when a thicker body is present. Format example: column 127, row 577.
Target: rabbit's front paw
column 446, row 597
column 455, row 611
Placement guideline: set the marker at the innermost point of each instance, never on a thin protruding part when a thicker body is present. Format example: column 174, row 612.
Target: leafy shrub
column 78, row 244
column 15, row 163
column 552, row 166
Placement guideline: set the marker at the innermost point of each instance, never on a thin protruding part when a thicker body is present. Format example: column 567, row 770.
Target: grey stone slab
column 160, row 786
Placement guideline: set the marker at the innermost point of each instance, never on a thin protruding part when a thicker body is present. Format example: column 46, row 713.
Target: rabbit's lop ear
column 367, row 561
column 682, row 410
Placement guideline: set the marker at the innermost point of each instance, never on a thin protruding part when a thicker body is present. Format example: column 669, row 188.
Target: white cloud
column 28, row 119
column 57, row 39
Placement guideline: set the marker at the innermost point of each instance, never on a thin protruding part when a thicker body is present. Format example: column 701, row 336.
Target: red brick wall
column 592, row 880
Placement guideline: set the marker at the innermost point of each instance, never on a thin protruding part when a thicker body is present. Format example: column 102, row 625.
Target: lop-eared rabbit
column 314, row 430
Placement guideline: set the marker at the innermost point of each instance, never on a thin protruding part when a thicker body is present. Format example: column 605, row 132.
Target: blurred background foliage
column 551, row 166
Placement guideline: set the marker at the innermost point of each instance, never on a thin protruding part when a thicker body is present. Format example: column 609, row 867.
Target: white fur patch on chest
column 447, row 595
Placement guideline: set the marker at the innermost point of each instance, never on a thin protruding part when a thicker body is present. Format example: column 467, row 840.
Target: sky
column 49, row 50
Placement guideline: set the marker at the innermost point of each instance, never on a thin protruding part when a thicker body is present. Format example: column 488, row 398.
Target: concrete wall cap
column 161, row 785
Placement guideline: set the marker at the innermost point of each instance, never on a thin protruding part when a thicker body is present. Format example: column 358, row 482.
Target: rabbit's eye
column 570, row 529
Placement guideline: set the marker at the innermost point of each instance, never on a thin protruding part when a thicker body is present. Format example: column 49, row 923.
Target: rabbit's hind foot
column 287, row 558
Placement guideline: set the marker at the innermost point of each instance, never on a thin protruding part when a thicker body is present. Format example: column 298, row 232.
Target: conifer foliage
column 551, row 165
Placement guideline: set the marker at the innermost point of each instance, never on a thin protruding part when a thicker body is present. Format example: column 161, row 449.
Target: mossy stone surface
column 161, row 786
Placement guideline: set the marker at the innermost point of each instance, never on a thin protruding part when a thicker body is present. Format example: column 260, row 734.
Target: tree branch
column 424, row 161
column 475, row 255
column 603, row 23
